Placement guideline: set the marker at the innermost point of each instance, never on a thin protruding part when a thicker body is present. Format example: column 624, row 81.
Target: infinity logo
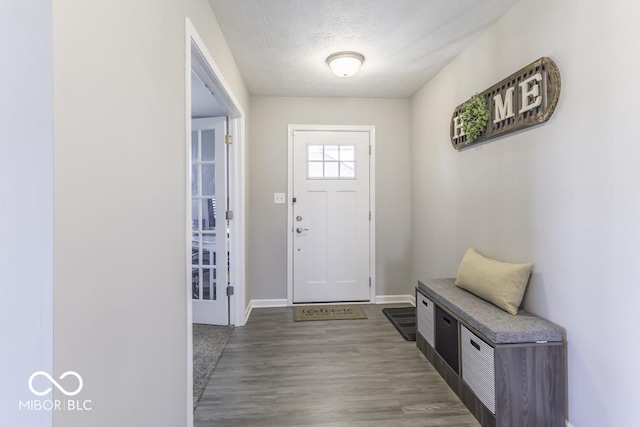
column 55, row 383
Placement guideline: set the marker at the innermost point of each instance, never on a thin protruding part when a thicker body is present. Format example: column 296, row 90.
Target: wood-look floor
column 275, row 372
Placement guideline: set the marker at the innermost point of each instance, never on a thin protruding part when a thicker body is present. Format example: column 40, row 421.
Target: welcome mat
column 328, row 312
column 404, row 320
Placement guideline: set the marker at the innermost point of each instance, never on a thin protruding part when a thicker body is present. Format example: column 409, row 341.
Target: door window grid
column 331, row 161
column 203, row 204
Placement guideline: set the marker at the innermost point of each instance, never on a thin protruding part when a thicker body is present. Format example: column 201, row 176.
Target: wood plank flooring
column 276, row 372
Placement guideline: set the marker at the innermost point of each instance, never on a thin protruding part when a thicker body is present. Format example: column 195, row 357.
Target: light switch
column 279, row 198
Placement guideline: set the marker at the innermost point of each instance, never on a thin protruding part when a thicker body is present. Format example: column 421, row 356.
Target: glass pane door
column 208, row 223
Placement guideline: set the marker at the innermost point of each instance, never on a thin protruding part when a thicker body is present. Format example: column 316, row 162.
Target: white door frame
column 372, row 200
column 198, row 57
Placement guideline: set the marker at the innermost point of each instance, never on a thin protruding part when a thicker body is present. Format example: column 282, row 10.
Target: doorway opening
column 215, row 256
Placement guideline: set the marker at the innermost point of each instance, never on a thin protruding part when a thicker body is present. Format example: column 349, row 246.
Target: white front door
column 209, row 265
column 330, row 216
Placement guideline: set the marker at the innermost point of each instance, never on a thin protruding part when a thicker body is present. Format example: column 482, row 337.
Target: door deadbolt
column 298, row 218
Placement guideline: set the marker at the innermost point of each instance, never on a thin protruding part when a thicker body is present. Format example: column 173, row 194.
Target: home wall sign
column 525, row 98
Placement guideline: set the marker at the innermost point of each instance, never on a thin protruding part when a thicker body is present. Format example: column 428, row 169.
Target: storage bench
column 508, row 370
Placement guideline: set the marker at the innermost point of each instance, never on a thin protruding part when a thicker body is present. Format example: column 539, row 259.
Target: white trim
column 263, row 303
column 412, row 300
column 396, row 299
column 272, row 303
column 210, row 73
column 237, row 225
column 266, row 303
column 187, row 262
column 372, row 199
column 372, row 208
column 236, row 127
column 290, row 130
column 247, row 312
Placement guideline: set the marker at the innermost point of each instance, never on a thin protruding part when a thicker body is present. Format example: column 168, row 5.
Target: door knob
column 300, row 229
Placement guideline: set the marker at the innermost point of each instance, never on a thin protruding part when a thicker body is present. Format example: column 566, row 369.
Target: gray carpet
column 208, row 343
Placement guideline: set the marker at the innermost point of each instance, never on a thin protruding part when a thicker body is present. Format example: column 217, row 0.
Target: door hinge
column 369, row 150
column 369, row 215
column 229, row 291
column 229, row 215
column 228, row 139
column 369, row 281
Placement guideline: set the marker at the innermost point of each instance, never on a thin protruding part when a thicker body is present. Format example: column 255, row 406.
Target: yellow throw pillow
column 500, row 283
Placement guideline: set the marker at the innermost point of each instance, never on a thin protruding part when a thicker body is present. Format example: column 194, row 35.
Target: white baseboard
column 380, row 299
column 263, row 303
column 396, row 299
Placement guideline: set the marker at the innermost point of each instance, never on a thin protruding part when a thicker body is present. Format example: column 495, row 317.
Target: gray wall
column 267, row 252
column 120, row 187
column 26, row 191
column 563, row 195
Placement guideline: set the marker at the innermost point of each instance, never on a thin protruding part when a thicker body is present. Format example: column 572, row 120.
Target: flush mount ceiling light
column 345, row 64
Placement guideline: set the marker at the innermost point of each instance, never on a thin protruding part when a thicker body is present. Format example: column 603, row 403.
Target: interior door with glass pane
column 209, row 265
column 330, row 216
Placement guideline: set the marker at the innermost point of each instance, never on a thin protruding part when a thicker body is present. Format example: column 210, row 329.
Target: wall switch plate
column 279, row 198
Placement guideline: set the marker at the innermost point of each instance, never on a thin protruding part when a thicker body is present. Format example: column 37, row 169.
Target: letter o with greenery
column 474, row 116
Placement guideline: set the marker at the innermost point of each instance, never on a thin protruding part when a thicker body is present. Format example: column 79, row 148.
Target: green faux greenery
column 474, row 116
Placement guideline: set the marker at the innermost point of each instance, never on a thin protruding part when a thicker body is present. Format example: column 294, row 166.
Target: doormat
column 328, row 312
column 404, row 320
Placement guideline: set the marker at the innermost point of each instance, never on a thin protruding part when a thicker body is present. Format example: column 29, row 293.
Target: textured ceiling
column 281, row 46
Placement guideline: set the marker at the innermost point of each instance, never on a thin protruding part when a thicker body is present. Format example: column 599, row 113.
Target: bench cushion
column 496, row 325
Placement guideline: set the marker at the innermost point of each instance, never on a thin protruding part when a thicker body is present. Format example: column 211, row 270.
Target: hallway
column 275, row 372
